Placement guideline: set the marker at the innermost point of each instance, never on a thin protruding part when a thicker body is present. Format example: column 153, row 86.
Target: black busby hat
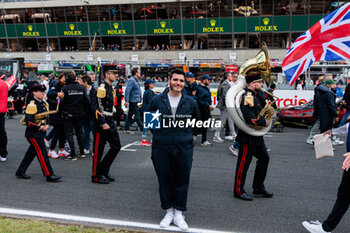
column 38, row 87
column 253, row 78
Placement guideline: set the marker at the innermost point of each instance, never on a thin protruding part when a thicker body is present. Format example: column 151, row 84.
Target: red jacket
column 4, row 91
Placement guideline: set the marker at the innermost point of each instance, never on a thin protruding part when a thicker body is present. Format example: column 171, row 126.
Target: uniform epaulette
column 249, row 99
column 101, row 91
column 31, row 108
column 114, row 94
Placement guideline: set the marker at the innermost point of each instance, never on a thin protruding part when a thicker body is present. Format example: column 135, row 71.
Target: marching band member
column 252, row 103
column 35, row 134
column 105, row 128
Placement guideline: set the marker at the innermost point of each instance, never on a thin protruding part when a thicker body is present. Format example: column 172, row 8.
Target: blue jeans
column 346, row 115
column 144, row 133
column 87, row 128
column 133, row 110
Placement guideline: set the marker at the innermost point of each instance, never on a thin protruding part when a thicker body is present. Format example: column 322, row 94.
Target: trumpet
column 268, row 111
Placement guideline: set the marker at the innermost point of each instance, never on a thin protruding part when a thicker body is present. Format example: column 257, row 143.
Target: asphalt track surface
column 304, row 188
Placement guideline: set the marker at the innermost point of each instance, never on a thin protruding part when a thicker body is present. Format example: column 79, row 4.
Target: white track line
column 124, row 148
column 82, row 219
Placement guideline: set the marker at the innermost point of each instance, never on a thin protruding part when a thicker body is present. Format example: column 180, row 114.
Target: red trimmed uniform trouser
column 100, row 168
column 245, row 155
column 36, row 148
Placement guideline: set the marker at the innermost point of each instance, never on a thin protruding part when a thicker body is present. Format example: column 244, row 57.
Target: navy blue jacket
column 316, row 113
column 186, row 110
column 188, row 89
column 52, row 101
column 203, row 97
column 147, row 97
column 327, row 108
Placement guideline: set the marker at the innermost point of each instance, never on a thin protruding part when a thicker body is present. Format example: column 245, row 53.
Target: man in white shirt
column 172, row 148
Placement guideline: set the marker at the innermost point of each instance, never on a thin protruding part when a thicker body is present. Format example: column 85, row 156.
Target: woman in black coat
column 56, row 120
column 327, row 106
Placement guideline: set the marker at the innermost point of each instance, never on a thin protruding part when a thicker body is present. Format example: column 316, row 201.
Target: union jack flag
column 327, row 40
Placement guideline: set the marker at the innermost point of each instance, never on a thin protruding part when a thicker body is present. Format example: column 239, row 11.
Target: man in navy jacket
column 203, row 97
column 172, row 148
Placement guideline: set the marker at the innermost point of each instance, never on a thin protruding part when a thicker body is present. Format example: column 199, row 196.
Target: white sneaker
column 206, row 143
column 2, row 159
column 337, row 142
column 310, row 141
column 63, row 153
column 234, row 150
column 229, row 138
column 179, row 221
column 217, row 139
column 167, row 220
column 53, row 154
column 47, row 143
column 86, row 151
column 314, row 227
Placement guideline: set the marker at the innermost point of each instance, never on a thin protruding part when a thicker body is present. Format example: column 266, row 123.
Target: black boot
column 53, row 178
column 22, row 175
column 109, row 177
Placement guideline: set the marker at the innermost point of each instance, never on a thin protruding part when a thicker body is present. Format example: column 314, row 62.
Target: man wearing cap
column 339, row 91
column 148, row 94
column 105, row 128
column 327, row 106
column 188, row 89
column 252, row 103
column 203, row 97
column 35, row 134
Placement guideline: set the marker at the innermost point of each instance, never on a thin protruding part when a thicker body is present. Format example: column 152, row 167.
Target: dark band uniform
column 251, row 105
column 35, row 137
column 103, row 103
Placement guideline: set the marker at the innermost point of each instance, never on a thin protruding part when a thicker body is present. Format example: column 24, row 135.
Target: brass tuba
column 258, row 64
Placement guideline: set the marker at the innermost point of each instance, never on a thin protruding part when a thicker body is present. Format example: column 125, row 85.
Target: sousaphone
column 258, row 64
